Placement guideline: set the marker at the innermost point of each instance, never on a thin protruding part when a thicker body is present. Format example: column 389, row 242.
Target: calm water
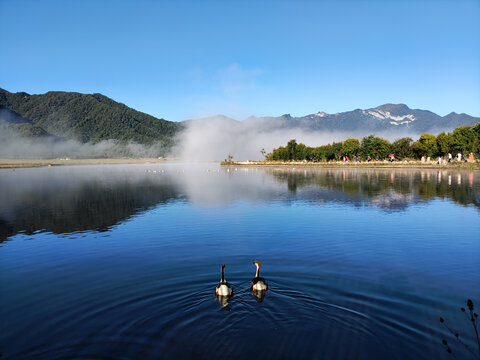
column 121, row 262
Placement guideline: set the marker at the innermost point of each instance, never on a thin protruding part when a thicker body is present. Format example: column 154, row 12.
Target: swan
column 223, row 288
column 258, row 283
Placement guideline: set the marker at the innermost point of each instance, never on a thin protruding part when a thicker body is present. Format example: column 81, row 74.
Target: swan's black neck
column 223, row 273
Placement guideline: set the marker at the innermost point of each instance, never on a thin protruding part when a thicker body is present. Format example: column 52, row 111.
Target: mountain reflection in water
column 124, row 262
column 78, row 198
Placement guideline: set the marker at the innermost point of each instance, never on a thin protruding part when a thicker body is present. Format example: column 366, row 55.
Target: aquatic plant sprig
column 456, row 335
column 473, row 319
column 447, row 347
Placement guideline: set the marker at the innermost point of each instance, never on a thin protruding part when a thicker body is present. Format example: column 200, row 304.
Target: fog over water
column 53, row 199
column 211, row 139
column 214, row 138
column 15, row 146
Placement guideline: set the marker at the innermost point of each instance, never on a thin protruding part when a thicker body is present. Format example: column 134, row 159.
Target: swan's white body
column 259, row 286
column 258, row 283
column 223, row 288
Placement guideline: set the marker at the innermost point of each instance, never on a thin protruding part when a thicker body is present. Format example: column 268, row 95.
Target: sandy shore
column 18, row 163
column 373, row 164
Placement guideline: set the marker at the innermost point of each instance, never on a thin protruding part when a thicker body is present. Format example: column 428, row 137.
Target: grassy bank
column 372, row 164
column 19, row 163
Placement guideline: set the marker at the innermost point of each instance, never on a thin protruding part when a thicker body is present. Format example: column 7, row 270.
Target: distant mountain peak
column 393, row 108
column 394, row 114
column 219, row 117
column 96, row 117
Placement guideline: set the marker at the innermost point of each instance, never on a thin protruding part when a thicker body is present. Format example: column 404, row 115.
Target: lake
column 121, row 262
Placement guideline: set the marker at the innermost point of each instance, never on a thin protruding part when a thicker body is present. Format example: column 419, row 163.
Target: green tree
column 292, row 149
column 426, row 145
column 464, row 139
column 374, row 146
column 351, row 147
column 303, row 152
column 323, row 153
column 402, row 148
column 444, row 143
column 476, row 130
column 337, row 150
column 279, row 154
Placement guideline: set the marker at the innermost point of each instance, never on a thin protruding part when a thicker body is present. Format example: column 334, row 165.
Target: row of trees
column 463, row 140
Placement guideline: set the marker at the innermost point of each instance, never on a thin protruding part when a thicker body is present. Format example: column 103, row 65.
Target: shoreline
column 25, row 163
column 363, row 165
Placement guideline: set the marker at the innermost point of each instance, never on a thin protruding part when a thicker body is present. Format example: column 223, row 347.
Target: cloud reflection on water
column 78, row 198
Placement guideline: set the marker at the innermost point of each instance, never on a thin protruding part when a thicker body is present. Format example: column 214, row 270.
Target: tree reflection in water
column 97, row 198
column 390, row 189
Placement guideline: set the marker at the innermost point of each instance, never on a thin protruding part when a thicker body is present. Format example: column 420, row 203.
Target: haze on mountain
column 58, row 124
column 213, row 138
column 392, row 117
column 80, row 125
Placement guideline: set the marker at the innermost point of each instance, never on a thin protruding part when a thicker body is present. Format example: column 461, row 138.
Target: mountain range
column 387, row 118
column 91, row 118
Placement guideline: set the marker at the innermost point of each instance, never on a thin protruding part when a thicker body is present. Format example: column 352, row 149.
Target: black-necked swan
column 223, row 288
column 258, row 283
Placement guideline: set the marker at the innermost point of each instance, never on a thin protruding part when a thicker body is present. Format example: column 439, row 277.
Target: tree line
column 463, row 140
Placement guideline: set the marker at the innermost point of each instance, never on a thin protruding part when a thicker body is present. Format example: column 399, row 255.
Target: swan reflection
column 223, row 300
column 259, row 295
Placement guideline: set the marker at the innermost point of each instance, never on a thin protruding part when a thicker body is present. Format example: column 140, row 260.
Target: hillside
column 215, row 137
column 11, row 121
column 87, row 118
column 389, row 120
column 69, row 124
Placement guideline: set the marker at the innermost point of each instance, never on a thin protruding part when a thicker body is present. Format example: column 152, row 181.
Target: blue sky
column 184, row 59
